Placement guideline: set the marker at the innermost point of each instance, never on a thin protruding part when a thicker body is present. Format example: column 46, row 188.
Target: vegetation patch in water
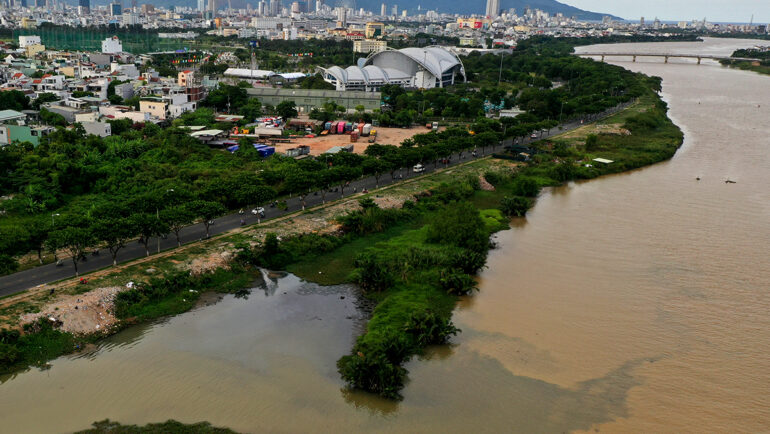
column 167, row 427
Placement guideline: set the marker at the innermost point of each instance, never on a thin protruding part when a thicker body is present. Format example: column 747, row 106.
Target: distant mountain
column 479, row 7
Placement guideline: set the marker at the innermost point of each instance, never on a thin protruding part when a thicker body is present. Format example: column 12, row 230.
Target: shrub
column 591, row 142
column 525, row 186
column 456, row 282
column 493, row 178
column 459, row 225
column 371, row 274
column 516, row 205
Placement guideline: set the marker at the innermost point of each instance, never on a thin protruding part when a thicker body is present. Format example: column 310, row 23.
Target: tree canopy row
column 147, row 181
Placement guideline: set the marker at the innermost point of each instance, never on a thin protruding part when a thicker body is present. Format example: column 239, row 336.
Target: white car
column 260, row 211
column 418, row 168
column 534, row 135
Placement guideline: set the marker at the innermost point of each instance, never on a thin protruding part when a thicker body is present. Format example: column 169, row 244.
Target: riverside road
column 23, row 280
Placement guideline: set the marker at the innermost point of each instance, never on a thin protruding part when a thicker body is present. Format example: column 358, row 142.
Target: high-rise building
column 342, row 16
column 213, row 7
column 116, row 9
column 40, row 3
column 262, row 8
column 383, row 10
column 84, row 7
column 275, row 8
column 493, row 8
column 394, row 10
column 201, row 6
column 641, row 22
column 295, row 7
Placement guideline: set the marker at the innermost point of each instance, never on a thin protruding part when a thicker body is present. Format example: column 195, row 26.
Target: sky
column 678, row 10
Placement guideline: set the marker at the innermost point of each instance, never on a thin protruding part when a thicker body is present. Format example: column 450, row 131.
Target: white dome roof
column 436, row 60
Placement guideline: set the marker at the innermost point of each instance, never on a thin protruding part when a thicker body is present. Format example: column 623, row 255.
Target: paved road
column 26, row 279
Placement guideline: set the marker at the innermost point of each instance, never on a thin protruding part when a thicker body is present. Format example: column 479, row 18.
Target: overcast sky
column 675, row 10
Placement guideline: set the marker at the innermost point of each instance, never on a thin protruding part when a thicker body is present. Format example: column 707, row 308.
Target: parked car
column 260, row 210
column 418, row 168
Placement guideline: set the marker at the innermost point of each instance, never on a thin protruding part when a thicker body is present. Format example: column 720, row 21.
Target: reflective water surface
column 632, row 303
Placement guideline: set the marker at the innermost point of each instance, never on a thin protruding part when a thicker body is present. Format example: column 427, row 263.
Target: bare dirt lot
column 320, row 144
column 91, row 312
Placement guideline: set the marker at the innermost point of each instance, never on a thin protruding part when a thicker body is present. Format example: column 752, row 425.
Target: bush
column 456, row 282
column 591, row 142
column 493, row 178
column 371, row 274
column 516, row 205
column 9, row 355
column 401, row 326
column 370, row 218
column 525, row 186
column 459, row 225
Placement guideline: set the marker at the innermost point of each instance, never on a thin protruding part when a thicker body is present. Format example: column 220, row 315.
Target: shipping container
column 266, row 151
column 360, row 128
column 328, row 126
column 335, row 125
column 341, row 128
column 367, row 129
column 348, row 127
column 354, row 136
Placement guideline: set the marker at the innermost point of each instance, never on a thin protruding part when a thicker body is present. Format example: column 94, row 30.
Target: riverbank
column 747, row 66
column 413, row 273
column 430, row 303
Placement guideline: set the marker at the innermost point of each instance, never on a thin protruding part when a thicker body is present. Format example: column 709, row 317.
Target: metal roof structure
column 408, row 67
column 11, row 115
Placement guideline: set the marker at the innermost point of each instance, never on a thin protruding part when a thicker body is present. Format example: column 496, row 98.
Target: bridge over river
column 666, row 56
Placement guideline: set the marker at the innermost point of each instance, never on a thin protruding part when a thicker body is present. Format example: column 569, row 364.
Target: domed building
column 413, row 68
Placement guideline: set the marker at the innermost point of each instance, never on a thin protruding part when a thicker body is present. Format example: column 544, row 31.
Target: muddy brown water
column 633, row 303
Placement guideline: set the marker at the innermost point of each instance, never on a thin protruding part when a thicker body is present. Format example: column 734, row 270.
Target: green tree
column 42, row 99
column 51, row 118
column 286, row 109
column 147, row 226
column 226, row 97
column 251, row 110
column 375, row 167
column 75, row 240
column 300, row 183
column 13, row 100
column 114, row 233
column 209, row 210
column 345, row 175
column 177, row 218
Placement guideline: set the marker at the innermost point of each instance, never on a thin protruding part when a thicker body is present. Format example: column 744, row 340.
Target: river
column 633, row 303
